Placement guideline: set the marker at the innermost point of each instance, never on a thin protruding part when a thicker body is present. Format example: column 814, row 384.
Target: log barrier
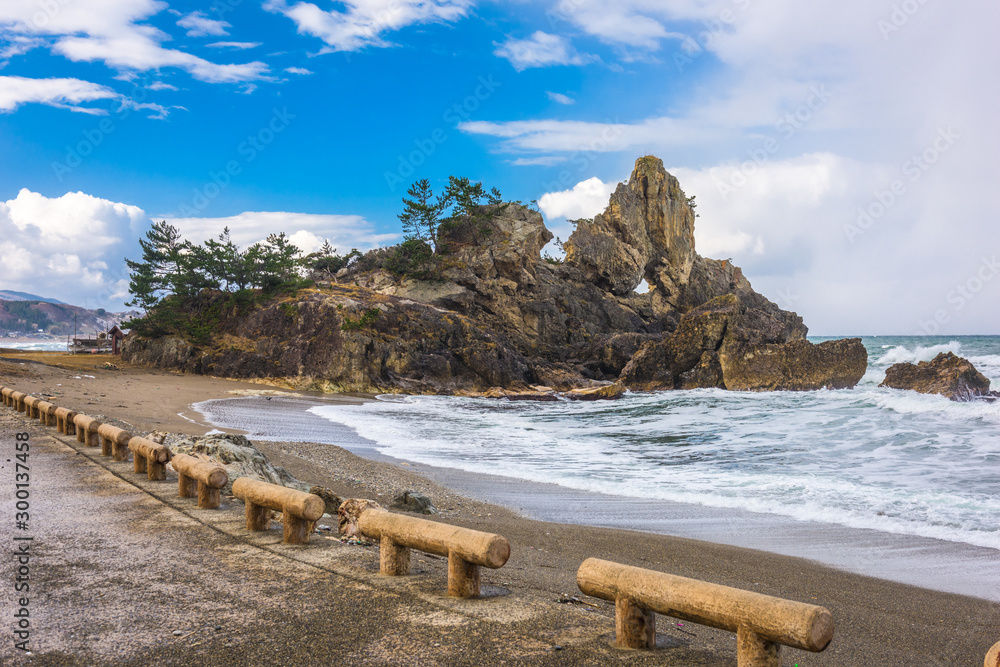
column 5, row 394
column 149, row 457
column 763, row 624
column 298, row 509
column 64, row 421
column 114, row 441
column 201, row 477
column 465, row 549
column 86, row 430
column 31, row 406
column 47, row 413
column 17, row 397
column 993, row 657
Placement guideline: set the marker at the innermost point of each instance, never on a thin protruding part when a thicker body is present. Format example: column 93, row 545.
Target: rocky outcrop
column 947, row 374
column 502, row 321
column 349, row 513
column 236, row 454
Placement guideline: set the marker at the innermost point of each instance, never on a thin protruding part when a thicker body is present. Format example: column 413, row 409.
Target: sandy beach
column 878, row 622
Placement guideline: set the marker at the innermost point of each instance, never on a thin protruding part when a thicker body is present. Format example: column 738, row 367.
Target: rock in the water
column 237, row 455
column 795, row 366
column 349, row 513
column 414, row 501
column 533, row 394
column 606, row 392
column 331, row 501
column 947, row 374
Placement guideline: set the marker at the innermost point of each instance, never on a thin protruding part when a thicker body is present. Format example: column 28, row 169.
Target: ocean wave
column 898, row 354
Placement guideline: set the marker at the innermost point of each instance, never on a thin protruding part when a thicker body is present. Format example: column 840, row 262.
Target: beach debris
column 349, row 512
column 414, row 501
column 573, row 599
column 323, row 528
column 108, row 366
column 331, row 501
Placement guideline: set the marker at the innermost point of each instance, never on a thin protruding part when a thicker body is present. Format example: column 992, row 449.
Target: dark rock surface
column 501, row 317
column 947, row 374
column 414, row 501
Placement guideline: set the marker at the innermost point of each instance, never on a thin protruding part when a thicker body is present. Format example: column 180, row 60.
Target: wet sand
column 879, row 622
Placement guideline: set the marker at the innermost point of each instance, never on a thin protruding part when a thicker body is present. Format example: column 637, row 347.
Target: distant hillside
column 11, row 295
column 56, row 319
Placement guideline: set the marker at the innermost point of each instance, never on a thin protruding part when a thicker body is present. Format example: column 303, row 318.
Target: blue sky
column 844, row 154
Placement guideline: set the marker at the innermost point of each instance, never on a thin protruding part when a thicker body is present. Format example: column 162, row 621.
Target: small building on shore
column 105, row 342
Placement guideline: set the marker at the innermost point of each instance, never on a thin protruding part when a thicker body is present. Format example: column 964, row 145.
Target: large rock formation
column 500, row 316
column 947, row 374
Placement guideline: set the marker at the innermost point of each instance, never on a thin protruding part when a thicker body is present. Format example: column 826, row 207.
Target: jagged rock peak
column 647, row 223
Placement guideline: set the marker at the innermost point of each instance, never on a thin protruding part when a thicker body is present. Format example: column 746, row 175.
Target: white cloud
column 310, row 229
column 159, row 85
column 234, row 45
column 584, row 200
column 113, row 33
column 543, row 161
column 540, row 50
column 560, row 98
column 363, row 22
column 199, row 25
column 297, row 70
column 62, row 93
column 62, row 246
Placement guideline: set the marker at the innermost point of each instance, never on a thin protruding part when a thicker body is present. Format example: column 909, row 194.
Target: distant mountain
column 54, row 318
column 10, row 295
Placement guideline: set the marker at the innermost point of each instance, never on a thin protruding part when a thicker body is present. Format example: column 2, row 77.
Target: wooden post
column 209, row 497
column 86, row 430
column 114, row 441
column 635, row 627
column 296, row 529
column 752, row 650
column 258, row 517
column 187, row 487
column 139, row 463
column 203, row 476
column 393, row 559
column 993, row 657
column 463, row 577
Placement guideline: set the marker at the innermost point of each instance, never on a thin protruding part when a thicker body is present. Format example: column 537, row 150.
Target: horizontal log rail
column 5, row 395
column 298, row 509
column 993, row 657
column 17, row 397
column 149, row 457
column 114, row 441
column 200, row 477
column 86, row 430
column 763, row 624
column 64, row 421
column 47, row 413
column 31, row 406
column 465, row 549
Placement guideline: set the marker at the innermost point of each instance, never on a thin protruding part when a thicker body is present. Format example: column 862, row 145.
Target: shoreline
column 942, row 565
column 878, row 621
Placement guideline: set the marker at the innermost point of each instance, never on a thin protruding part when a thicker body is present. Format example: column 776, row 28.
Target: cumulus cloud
column 584, row 200
column 540, row 50
column 363, row 22
column 298, row 70
column 308, row 230
column 62, row 93
column 234, row 45
column 82, row 235
column 199, row 25
column 114, row 33
column 559, row 98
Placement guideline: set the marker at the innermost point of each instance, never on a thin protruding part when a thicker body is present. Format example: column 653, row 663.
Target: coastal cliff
column 498, row 315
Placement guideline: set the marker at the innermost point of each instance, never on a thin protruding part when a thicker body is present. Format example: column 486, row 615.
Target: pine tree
column 160, row 270
column 421, row 216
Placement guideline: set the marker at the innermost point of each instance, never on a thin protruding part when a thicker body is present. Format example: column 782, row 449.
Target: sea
column 34, row 344
column 914, row 475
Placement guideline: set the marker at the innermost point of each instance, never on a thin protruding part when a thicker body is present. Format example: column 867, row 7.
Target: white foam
column 900, row 354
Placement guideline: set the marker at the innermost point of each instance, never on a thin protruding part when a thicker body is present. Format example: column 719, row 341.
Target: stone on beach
column 414, row 501
column 331, row 501
column 947, row 374
column 350, row 511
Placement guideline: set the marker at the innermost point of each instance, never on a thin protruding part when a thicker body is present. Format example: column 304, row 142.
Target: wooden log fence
column 993, row 657
column 465, row 549
column 298, row 509
column 763, row 624
column 200, row 477
column 64, row 421
column 47, row 413
column 18, row 400
column 149, row 457
column 5, row 395
column 86, row 430
column 31, row 406
column 114, row 441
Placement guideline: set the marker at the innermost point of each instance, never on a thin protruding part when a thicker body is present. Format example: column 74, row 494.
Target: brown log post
column 30, row 406
column 150, row 457
column 298, row 509
column 47, row 413
column 114, row 441
column 17, row 397
column 763, row 624
column 465, row 549
column 993, row 657
column 86, row 430
column 64, row 421
column 205, row 477
column 5, row 393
